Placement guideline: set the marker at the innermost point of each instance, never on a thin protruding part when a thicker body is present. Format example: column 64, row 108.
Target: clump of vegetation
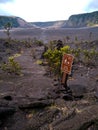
column 90, row 57
column 39, row 43
column 27, row 43
column 52, row 44
column 54, row 58
column 11, row 66
column 77, row 54
column 39, row 62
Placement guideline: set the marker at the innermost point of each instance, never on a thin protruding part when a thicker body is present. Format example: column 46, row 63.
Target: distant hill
column 82, row 20
column 74, row 21
column 15, row 21
column 50, row 24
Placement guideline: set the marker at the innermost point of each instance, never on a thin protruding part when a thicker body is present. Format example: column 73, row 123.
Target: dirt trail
column 33, row 83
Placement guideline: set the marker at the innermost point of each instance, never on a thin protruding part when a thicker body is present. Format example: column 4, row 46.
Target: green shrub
column 77, row 54
column 11, row 66
column 39, row 62
column 90, row 57
column 54, row 58
column 39, row 43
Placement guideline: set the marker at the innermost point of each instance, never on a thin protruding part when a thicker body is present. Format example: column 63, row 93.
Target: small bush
column 54, row 59
column 39, row 43
column 11, row 66
column 39, row 62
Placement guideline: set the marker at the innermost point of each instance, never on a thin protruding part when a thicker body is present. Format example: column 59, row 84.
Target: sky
column 46, row 10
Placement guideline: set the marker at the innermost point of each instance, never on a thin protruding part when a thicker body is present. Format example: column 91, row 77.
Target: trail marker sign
column 67, row 63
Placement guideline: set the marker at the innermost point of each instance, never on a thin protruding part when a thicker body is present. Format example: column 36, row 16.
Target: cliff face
column 74, row 21
column 82, row 20
column 15, row 21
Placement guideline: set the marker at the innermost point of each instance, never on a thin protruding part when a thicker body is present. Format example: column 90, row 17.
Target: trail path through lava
column 33, row 83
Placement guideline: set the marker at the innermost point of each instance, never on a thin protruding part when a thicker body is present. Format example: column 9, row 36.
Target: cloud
column 46, row 10
column 93, row 5
column 5, row 1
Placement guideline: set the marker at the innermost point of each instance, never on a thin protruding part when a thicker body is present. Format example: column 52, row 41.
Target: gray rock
column 36, row 104
column 78, row 90
column 81, row 121
column 42, row 119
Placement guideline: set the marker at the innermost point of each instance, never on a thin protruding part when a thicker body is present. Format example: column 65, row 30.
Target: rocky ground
column 48, row 34
column 36, row 101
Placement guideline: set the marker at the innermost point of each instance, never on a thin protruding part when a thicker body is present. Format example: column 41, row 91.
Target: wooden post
column 65, row 84
column 64, row 80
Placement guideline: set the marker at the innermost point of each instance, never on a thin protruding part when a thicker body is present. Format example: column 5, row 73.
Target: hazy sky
column 46, row 10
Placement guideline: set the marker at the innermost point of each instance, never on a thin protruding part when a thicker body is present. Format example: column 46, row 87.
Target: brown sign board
column 67, row 63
